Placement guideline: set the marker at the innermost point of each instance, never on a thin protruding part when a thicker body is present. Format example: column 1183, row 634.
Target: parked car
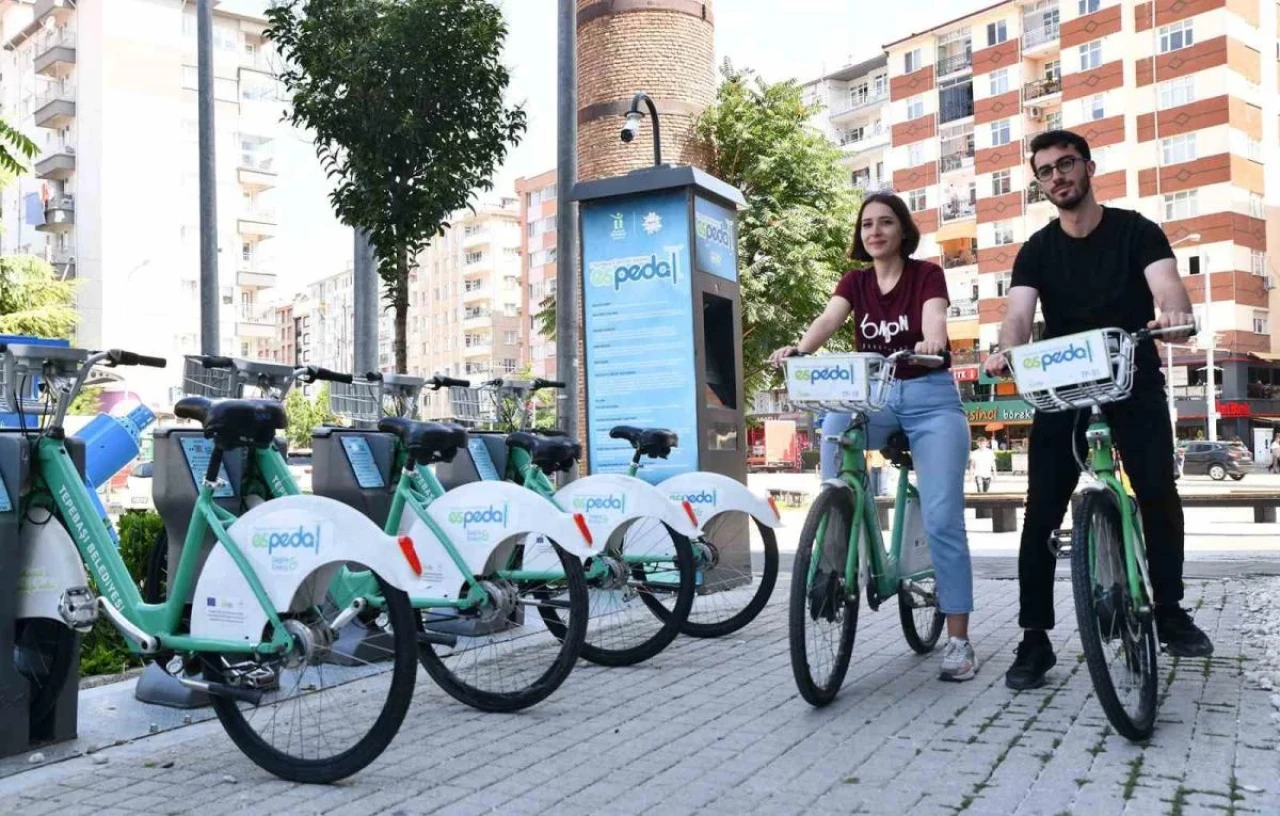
column 299, row 462
column 139, row 487
column 1217, row 460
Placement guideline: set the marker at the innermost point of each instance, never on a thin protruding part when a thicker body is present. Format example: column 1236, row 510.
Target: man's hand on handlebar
column 1173, row 319
column 996, row 365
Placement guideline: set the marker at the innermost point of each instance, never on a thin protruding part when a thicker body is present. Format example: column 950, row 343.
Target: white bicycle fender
column 712, row 494
column 610, row 500
column 292, row 543
column 50, row 564
column 480, row 516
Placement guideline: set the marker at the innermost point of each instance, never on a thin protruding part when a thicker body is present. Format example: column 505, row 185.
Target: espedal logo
column 829, row 373
column 587, row 504
column 701, row 497
column 714, row 230
column 622, row 271
column 1048, row 359
column 480, row 515
column 301, row 538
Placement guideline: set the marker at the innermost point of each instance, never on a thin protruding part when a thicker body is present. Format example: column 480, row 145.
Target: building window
column 1255, row 150
column 1003, row 233
column 1180, row 205
column 1089, row 6
column 1179, row 35
column 1000, row 133
column 997, row 33
column 473, row 258
column 917, row 200
column 1004, row 281
column 1257, row 209
column 1094, row 108
column 999, row 82
column 472, row 229
column 1090, row 55
column 915, row 154
column 510, row 338
column 915, row 107
column 912, row 62
column 1260, row 323
column 1178, row 149
column 1177, row 92
column 1001, row 183
column 1258, row 263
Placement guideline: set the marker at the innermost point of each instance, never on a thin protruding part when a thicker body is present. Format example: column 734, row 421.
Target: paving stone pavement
column 716, row 726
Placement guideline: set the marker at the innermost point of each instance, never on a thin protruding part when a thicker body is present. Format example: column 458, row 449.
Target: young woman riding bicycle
column 901, row 303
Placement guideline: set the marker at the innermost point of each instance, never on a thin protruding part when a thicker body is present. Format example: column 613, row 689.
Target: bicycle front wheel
column 824, row 609
column 502, row 657
column 311, row 715
column 1117, row 635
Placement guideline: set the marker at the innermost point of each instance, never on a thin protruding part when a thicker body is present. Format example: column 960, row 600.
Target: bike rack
column 18, row 732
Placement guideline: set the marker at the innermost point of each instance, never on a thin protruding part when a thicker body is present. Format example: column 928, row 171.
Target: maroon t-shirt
column 889, row 322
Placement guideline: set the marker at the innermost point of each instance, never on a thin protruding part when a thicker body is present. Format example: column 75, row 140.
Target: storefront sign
column 964, row 374
column 1011, row 410
column 1233, row 410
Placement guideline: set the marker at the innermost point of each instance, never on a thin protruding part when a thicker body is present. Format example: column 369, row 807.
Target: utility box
column 354, row 466
column 662, row 319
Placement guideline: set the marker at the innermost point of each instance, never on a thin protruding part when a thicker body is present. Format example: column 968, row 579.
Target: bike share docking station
column 662, row 333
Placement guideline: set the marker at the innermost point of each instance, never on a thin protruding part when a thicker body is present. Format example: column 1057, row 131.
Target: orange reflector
column 688, row 511
column 583, row 528
column 410, row 554
column 773, row 504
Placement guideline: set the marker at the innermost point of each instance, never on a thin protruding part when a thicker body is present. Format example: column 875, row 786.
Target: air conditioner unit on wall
column 1268, row 283
column 1036, row 113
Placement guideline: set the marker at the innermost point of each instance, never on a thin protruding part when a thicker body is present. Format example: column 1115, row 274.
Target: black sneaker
column 1034, row 658
column 1180, row 636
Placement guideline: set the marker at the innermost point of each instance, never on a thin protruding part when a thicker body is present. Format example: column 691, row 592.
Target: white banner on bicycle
column 1062, row 361
column 829, row 378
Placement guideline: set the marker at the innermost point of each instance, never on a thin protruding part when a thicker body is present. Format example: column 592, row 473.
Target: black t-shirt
column 1098, row 281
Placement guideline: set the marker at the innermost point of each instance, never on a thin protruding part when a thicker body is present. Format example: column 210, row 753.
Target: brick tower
column 662, row 47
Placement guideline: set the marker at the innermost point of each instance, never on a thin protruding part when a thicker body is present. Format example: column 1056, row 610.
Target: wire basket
column 1100, row 370
column 471, row 406
column 25, row 368
column 855, row 383
column 358, row 401
column 198, row 381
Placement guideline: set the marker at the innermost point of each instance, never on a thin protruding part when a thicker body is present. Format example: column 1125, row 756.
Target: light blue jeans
column 928, row 409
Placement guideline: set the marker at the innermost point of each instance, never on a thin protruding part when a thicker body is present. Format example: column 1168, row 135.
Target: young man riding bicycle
column 1096, row 267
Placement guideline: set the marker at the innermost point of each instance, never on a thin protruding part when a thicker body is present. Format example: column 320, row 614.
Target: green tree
column 795, row 232
column 405, row 100
column 16, row 149
column 299, row 412
column 33, row 300
column 87, row 402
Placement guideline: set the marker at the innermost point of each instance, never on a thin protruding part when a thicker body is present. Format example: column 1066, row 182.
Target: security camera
column 632, row 128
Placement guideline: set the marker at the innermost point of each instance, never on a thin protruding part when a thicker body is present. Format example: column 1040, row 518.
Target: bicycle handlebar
column 209, row 361
column 326, row 375
column 119, row 357
column 437, row 382
column 539, row 383
column 927, row 360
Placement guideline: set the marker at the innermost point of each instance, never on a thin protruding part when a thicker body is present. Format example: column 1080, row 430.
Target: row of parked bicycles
column 477, row 566
column 474, row 564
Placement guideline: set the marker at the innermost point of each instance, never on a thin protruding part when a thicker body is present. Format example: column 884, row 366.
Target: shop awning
column 1266, row 355
column 994, row 426
column 959, row 229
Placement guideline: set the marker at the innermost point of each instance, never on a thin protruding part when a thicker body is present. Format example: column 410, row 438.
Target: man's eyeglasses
column 1063, row 165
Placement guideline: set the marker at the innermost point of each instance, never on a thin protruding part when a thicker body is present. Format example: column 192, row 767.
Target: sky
column 808, row 39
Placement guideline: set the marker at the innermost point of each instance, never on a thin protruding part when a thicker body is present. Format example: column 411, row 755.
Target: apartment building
column 108, row 91
column 466, row 300
column 538, row 207
column 854, row 113
column 320, row 325
column 1179, row 102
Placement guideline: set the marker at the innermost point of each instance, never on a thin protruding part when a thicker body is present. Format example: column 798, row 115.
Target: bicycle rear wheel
column 921, row 619
column 824, row 610
column 731, row 592
column 1117, row 638
column 500, row 658
column 287, row 731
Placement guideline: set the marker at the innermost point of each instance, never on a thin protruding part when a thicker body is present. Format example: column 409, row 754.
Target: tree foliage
column 33, row 300
column 405, row 100
column 304, row 413
column 795, row 232
column 16, row 149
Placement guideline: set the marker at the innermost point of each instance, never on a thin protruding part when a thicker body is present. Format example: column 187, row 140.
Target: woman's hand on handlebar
column 781, row 354
column 1173, row 319
column 930, row 347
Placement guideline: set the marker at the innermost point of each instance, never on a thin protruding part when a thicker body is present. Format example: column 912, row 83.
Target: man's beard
column 1074, row 200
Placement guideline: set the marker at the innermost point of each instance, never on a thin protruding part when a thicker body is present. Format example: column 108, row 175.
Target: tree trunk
column 401, row 304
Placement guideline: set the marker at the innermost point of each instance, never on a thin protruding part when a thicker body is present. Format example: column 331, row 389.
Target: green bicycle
column 243, row 622
column 841, row 547
column 1109, row 578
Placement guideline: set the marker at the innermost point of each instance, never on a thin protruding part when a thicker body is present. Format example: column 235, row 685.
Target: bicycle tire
column 153, row 587
column 748, row 613
column 818, row 694
column 920, row 643
column 394, row 708
column 44, row 652
column 570, row 636
column 1102, row 506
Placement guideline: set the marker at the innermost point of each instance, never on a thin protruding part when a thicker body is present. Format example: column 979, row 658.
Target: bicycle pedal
column 78, row 609
column 1060, row 543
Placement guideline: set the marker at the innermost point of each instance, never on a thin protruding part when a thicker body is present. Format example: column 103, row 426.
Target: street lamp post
column 1173, row 410
column 632, row 128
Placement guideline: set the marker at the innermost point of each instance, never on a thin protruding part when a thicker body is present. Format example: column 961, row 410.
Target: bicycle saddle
column 234, row 423
column 428, row 442
column 655, row 442
column 550, row 453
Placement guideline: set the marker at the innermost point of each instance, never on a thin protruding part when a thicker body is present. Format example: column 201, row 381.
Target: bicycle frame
column 1103, row 468
column 160, row 621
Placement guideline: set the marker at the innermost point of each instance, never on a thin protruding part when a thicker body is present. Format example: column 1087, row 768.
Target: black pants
column 983, row 483
column 1140, row 429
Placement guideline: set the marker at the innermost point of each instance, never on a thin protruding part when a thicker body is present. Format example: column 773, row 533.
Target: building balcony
column 475, row 239
column 478, row 350
column 962, row 310
column 60, row 9
column 257, row 169
column 1038, row 35
column 59, row 214
column 56, row 107
column 860, row 103
column 250, row 279
column 957, row 161
column 958, row 260
column 1035, row 195
column 871, row 184
column 254, row 321
column 477, row 320
column 484, row 293
column 59, row 164
column 957, row 211
column 55, row 52
column 955, row 63
column 257, row 221
column 63, row 260
column 1041, row 89
column 866, row 140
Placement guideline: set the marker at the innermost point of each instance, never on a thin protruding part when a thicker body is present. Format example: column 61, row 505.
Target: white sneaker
column 958, row 661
